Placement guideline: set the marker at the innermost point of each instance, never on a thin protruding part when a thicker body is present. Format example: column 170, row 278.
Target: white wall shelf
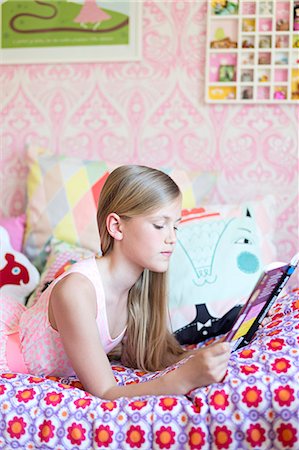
column 252, row 51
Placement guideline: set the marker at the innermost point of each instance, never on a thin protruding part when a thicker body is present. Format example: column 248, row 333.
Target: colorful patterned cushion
column 219, row 255
column 61, row 256
column 62, row 199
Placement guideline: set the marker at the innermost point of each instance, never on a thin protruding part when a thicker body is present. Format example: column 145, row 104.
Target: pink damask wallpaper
column 153, row 112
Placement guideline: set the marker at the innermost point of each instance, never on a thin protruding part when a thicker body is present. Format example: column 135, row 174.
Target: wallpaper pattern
column 152, row 112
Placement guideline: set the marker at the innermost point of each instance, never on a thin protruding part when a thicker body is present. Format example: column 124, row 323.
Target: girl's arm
column 73, row 313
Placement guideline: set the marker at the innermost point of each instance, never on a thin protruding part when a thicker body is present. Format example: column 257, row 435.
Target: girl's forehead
column 171, row 210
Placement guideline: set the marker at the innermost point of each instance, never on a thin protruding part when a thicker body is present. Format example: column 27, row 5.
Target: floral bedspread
column 255, row 407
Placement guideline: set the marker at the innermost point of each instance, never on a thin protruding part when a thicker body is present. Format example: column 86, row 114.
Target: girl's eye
column 158, row 227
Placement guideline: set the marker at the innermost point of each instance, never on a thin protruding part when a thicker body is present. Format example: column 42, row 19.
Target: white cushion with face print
column 220, row 253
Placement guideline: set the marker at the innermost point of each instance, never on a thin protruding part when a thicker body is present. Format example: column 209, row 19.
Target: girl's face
column 149, row 240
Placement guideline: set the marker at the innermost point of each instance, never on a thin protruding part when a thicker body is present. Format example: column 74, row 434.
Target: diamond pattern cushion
column 62, row 200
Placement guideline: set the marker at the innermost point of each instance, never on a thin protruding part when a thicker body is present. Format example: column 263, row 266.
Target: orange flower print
column 198, row 405
column 287, row 435
column 135, row 436
column 165, row 437
column 249, row 370
column 252, row 396
column 246, row 353
column 138, row 404
column 274, row 332
column 8, row 376
column 219, row 400
column 196, row 438
column 82, row 402
column 168, row 403
column 16, row 427
column 3, row 388
column 35, row 379
column 222, row 437
column 284, row 395
column 276, row 344
column 103, row 436
column 255, row 435
column 108, row 406
column 281, row 365
column 26, row 395
column 53, row 398
column 76, row 433
column 46, row 431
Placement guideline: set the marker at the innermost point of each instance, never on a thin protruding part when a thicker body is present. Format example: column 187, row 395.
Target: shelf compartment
column 248, row 25
column 281, row 75
column 246, row 92
column 265, row 8
column 228, row 93
column 280, row 92
column 248, row 41
column 263, row 93
column 248, row 8
column 222, row 67
column 224, row 33
column 265, row 41
column 223, row 8
column 265, row 24
column 281, row 58
column 247, row 75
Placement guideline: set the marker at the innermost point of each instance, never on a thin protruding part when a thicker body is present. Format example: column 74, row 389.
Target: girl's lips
column 166, row 254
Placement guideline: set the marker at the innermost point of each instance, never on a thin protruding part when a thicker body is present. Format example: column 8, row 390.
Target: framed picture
column 60, row 31
column 226, row 73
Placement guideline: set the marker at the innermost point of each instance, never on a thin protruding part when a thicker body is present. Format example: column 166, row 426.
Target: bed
column 257, row 404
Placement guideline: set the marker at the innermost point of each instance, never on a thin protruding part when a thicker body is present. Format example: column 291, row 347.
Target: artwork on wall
column 52, row 31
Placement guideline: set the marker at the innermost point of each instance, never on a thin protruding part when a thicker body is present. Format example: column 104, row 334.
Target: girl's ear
column 113, row 224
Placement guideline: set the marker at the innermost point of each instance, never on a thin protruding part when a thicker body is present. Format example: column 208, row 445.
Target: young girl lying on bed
column 119, row 298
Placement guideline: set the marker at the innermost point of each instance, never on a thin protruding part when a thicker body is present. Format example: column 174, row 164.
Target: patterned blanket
column 256, row 406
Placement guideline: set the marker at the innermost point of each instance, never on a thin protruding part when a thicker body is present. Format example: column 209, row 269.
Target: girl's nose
column 171, row 236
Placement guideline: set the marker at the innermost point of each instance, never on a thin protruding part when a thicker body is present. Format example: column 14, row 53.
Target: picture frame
column 71, row 31
column 226, row 73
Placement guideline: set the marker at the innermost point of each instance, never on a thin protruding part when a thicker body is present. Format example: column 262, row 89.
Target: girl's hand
column 207, row 366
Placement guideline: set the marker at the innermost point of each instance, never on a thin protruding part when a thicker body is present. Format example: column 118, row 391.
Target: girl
column 119, row 298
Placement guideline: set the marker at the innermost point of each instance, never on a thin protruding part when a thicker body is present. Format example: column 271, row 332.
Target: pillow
column 18, row 277
column 63, row 193
column 15, row 227
column 61, row 256
column 219, row 256
column 62, row 200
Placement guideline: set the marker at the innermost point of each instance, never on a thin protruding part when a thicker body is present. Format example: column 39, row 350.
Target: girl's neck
column 117, row 275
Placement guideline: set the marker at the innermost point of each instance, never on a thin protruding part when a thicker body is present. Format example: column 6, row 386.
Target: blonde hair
column 131, row 191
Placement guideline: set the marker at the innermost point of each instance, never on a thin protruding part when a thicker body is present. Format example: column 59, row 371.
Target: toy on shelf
column 225, row 7
column 224, row 43
column 247, row 44
column 279, row 95
column 266, row 8
column 282, row 25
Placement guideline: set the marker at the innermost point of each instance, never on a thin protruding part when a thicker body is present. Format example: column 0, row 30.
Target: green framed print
column 49, row 31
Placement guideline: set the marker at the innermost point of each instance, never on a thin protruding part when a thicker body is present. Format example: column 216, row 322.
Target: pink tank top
column 41, row 345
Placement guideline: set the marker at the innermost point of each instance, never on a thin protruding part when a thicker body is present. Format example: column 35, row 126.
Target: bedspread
column 256, row 406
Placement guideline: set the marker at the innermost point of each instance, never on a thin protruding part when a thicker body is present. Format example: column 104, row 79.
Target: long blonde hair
column 132, row 191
